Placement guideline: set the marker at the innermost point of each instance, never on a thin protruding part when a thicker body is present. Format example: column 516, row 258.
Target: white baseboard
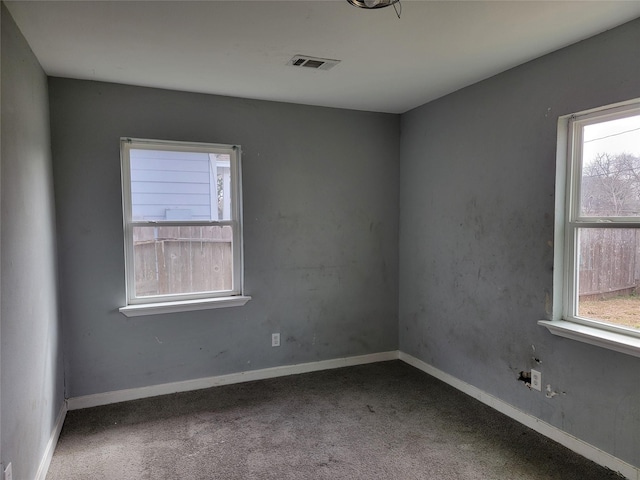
column 573, row 443
column 43, row 468
column 106, row 398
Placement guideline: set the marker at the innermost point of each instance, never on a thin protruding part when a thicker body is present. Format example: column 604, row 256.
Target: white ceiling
column 241, row 48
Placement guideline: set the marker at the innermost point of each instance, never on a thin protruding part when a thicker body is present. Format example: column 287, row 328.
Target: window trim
column 568, row 220
column 171, row 303
column 184, row 306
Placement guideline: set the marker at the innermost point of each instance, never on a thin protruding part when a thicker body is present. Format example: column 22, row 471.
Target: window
column 182, row 226
column 598, row 228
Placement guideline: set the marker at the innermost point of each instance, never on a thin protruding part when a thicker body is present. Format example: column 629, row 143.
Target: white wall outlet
column 8, row 475
column 275, row 339
column 536, row 380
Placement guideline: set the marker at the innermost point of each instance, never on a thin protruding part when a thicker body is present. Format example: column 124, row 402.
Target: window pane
column 609, row 269
column 611, row 168
column 178, row 260
column 180, row 186
column 222, row 164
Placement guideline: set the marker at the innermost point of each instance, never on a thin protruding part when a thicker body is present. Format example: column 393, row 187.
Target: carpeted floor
column 379, row 421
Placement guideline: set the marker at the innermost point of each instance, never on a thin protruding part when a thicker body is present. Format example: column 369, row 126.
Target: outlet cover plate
column 536, row 380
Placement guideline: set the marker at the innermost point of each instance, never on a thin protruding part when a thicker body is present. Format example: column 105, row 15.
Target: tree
column 611, row 185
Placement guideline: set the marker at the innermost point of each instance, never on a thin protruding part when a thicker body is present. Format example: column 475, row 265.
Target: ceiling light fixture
column 372, row 4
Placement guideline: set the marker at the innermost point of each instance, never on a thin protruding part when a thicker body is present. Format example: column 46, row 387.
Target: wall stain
column 548, row 305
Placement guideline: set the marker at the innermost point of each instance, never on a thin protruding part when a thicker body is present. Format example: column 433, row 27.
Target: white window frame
column 565, row 321
column 171, row 303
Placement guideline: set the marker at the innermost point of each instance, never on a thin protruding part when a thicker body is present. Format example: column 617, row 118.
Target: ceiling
column 241, row 48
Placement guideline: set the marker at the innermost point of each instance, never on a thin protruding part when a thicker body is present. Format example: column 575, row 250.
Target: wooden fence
column 609, row 262
column 182, row 259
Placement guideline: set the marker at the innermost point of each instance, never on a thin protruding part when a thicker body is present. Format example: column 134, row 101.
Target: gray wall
column 32, row 385
column 476, row 231
column 320, row 222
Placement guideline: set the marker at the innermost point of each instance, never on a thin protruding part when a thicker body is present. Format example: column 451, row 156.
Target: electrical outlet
column 275, row 339
column 536, row 380
column 8, row 475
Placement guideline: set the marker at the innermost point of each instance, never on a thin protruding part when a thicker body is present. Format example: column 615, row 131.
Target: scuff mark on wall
column 525, row 375
column 526, row 378
column 548, row 305
column 534, row 358
column 550, row 393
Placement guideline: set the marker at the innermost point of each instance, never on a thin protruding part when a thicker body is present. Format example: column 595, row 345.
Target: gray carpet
column 380, row 421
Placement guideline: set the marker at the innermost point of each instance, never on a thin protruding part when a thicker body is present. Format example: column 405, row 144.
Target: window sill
column 183, row 306
column 594, row 336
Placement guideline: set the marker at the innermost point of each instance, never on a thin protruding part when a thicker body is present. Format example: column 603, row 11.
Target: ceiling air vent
column 313, row 62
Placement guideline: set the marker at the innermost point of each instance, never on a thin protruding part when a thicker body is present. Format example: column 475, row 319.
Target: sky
column 615, row 136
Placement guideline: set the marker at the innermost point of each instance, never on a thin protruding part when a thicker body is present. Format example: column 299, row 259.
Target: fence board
column 608, row 261
column 171, row 266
